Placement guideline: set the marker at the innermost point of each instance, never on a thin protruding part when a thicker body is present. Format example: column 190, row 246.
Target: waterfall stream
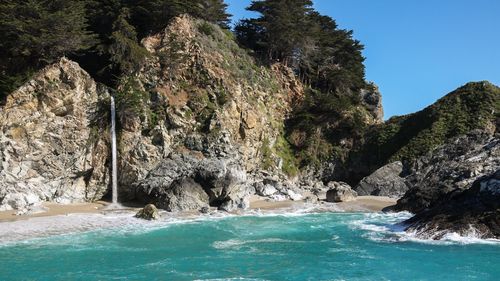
column 113, row 154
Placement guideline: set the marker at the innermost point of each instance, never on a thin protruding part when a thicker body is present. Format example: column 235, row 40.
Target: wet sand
column 361, row 204
column 54, row 209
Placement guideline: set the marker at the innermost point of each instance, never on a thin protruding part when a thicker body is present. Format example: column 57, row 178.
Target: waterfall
column 113, row 154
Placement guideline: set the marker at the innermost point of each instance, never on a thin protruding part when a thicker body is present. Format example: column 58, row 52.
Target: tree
column 38, row 32
column 283, row 27
column 215, row 11
column 150, row 16
column 125, row 52
column 336, row 62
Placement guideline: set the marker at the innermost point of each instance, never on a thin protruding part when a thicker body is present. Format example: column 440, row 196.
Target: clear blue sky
column 417, row 50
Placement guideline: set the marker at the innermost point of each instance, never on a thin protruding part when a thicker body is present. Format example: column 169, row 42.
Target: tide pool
column 321, row 246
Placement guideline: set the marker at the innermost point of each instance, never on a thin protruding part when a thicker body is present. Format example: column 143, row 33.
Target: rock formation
column 449, row 169
column 474, row 212
column 386, row 181
column 210, row 121
column 201, row 125
column 455, row 189
column 149, row 212
column 51, row 145
column 340, row 192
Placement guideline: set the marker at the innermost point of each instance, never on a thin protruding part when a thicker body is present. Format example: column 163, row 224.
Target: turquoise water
column 326, row 246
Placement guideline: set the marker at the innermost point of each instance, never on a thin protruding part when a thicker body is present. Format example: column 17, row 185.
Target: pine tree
column 125, row 52
column 284, row 27
column 40, row 31
column 37, row 32
column 215, row 11
column 150, row 16
column 336, row 61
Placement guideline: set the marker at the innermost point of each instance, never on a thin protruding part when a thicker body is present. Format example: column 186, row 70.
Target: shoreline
column 360, row 204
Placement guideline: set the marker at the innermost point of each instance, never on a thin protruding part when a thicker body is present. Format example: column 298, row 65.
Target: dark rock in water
column 340, row 192
column 149, row 212
column 451, row 168
column 205, row 210
column 385, row 181
column 472, row 212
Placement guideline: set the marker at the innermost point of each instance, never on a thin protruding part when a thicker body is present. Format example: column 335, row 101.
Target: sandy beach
column 55, row 209
column 361, row 204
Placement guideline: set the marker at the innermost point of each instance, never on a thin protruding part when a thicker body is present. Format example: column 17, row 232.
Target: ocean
column 255, row 246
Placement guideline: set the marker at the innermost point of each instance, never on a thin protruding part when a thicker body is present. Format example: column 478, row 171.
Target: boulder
column 386, row 181
column 204, row 210
column 265, row 189
column 183, row 195
column 149, row 212
column 340, row 192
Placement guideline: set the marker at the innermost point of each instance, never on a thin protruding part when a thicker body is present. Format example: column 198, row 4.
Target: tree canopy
column 37, row 32
column 291, row 31
column 102, row 35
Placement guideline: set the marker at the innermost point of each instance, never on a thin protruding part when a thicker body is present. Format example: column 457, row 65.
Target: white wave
column 387, row 227
column 231, row 279
column 237, row 244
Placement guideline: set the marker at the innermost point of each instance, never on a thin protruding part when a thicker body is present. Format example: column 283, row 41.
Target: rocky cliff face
column 474, row 212
column 455, row 189
column 49, row 148
column 200, row 124
column 450, row 169
column 209, row 120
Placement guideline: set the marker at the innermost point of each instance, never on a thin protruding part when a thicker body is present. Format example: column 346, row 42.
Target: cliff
column 50, row 147
column 202, row 124
column 474, row 106
column 200, row 114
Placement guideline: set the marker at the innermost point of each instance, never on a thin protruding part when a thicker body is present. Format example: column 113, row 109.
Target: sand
column 54, row 209
column 361, row 204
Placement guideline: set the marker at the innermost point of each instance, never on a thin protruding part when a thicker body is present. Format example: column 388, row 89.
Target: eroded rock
column 149, row 212
column 52, row 142
column 386, row 181
column 340, row 192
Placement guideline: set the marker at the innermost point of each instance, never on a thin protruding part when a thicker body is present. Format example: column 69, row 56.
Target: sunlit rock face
column 209, row 124
column 51, row 146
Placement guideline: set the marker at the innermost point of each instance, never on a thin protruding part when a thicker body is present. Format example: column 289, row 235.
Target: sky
column 417, row 50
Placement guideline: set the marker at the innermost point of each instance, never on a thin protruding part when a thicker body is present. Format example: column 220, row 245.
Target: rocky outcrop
column 52, row 143
column 210, row 123
column 149, row 212
column 455, row 189
column 340, row 192
column 474, row 212
column 372, row 100
column 184, row 182
column 451, row 168
column 386, row 181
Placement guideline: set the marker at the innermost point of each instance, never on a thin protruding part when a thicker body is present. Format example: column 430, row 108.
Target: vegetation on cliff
column 475, row 105
column 194, row 73
column 327, row 60
column 103, row 36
